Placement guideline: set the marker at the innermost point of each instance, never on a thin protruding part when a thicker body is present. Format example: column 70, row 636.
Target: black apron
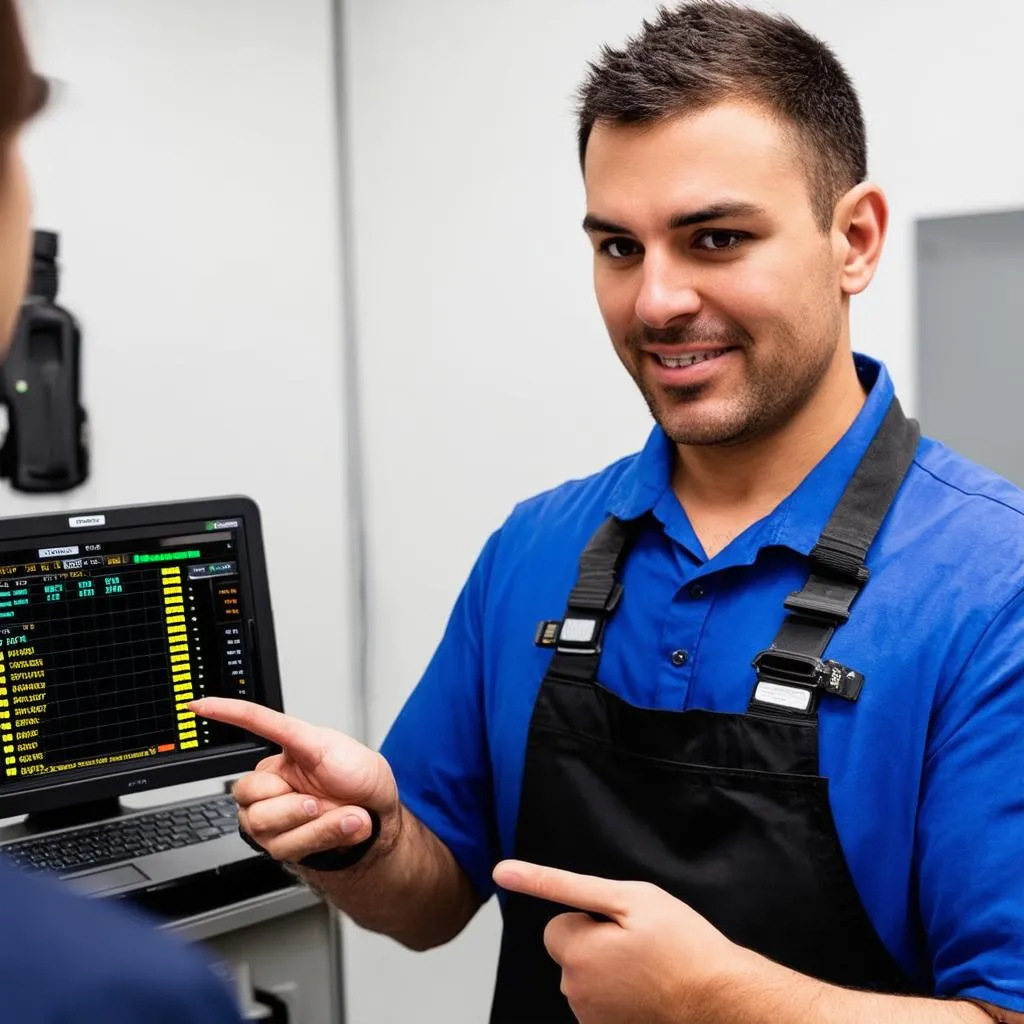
column 727, row 812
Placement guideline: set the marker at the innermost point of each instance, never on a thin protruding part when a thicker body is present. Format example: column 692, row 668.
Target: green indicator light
column 21, row 386
column 164, row 556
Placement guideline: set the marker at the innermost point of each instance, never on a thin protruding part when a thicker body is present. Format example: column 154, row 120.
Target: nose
column 667, row 292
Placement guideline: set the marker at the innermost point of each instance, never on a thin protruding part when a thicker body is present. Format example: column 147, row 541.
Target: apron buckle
column 572, row 635
column 791, row 680
column 789, row 667
column 580, row 633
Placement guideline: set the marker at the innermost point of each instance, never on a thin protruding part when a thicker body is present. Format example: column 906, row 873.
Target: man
column 746, row 708
column 63, row 958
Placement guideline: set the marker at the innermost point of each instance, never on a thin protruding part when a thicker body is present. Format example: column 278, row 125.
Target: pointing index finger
column 584, row 892
column 297, row 738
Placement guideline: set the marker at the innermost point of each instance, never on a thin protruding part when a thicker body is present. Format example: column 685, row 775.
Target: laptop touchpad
column 111, row 878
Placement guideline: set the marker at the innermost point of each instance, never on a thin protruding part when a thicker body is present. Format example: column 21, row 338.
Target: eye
column 620, row 248
column 719, row 241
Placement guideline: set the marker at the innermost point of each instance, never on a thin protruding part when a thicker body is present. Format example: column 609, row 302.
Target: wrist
column 392, row 829
column 745, row 987
column 978, row 1012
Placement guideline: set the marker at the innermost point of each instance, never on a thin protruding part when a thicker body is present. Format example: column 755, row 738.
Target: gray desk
column 288, row 942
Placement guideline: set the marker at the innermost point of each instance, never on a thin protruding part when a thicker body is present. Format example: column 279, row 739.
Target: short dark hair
column 707, row 51
column 23, row 93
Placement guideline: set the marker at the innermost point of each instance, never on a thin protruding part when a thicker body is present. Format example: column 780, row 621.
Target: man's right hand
column 315, row 795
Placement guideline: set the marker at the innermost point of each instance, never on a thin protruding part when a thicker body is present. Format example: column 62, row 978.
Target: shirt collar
column 646, row 484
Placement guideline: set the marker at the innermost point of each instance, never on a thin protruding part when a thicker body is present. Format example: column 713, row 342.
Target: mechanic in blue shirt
column 64, row 958
column 747, row 708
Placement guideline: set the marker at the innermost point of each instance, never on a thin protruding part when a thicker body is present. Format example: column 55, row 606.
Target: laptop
column 111, row 621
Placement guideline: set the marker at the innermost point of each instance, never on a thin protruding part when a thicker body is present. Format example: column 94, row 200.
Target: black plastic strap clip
column 792, row 681
column 580, row 632
column 572, row 635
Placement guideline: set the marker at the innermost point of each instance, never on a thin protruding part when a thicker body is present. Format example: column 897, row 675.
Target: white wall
column 188, row 163
column 485, row 373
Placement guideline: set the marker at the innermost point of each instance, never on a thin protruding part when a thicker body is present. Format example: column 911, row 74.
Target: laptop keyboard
column 96, row 846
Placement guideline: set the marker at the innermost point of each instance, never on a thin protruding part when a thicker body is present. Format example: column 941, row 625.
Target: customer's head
column 22, row 94
column 724, row 160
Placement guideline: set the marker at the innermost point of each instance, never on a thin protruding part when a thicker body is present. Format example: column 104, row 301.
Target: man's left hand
column 653, row 959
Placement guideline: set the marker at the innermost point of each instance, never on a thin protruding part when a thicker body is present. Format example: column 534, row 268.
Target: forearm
column 409, row 886
column 767, row 992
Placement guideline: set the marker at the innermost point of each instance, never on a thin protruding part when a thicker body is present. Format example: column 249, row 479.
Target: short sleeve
column 970, row 831
column 437, row 747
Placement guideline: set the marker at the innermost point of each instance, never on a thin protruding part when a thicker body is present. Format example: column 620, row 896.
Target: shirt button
column 696, row 591
column 680, row 658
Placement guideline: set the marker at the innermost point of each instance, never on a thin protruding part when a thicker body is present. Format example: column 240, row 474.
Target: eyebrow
column 717, row 211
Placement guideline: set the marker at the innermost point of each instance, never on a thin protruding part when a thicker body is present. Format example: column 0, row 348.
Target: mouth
column 698, row 368
column 680, row 362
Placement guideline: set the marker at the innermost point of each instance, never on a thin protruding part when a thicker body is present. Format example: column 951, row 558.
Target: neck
column 756, row 475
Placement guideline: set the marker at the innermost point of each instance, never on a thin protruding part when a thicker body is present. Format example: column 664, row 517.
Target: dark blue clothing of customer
column 66, row 959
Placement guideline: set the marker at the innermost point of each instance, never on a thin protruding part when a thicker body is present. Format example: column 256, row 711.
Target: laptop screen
column 106, row 634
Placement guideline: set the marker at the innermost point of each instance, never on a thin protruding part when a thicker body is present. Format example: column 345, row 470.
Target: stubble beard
column 771, row 392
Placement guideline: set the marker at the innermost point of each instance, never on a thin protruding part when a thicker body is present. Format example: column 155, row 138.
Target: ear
column 858, row 233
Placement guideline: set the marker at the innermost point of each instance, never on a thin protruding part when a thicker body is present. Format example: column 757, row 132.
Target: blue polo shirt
column 926, row 769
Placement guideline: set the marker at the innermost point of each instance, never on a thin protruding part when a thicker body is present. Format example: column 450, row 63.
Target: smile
column 677, row 362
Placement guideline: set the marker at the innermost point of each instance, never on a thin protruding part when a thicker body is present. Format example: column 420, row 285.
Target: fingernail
column 504, row 876
column 351, row 824
column 310, row 807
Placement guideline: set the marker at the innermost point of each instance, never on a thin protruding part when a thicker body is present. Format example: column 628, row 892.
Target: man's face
column 720, row 292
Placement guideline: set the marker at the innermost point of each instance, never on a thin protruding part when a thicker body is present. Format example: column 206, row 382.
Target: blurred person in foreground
column 746, row 708
column 65, row 958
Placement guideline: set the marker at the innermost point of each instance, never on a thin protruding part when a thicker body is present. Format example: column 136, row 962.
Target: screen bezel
column 52, row 795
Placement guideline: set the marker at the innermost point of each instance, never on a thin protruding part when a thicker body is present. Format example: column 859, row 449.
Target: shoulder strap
column 593, row 599
column 791, row 673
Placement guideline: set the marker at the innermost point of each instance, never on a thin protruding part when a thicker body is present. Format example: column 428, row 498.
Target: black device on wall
column 45, row 448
